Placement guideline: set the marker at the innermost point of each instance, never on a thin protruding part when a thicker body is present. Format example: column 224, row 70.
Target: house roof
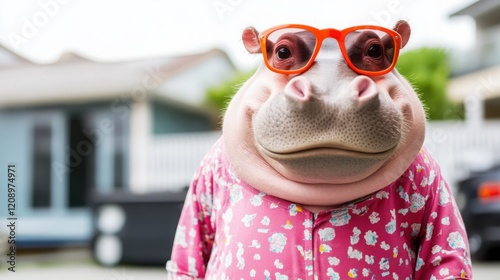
column 75, row 79
column 485, row 12
column 481, row 84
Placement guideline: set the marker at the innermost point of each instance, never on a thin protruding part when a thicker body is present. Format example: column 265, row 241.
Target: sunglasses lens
column 290, row 48
column 370, row 50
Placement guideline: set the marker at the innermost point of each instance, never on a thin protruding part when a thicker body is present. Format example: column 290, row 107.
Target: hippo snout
column 362, row 90
column 354, row 118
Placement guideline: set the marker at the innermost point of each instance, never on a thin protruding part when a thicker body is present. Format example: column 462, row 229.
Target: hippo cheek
column 334, row 142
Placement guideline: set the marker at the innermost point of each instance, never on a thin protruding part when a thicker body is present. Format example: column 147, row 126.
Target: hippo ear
column 250, row 38
column 403, row 28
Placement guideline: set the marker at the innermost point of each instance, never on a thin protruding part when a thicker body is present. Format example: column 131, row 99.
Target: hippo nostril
column 299, row 89
column 364, row 88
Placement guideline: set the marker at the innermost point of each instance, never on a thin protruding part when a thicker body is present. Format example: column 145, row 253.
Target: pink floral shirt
column 410, row 229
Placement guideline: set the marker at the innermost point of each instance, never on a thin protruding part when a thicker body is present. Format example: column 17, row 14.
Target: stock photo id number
column 11, row 217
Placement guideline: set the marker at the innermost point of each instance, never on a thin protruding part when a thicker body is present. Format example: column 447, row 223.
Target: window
column 119, row 156
column 81, row 158
column 42, row 135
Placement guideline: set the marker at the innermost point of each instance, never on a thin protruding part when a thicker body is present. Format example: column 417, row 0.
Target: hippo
column 321, row 172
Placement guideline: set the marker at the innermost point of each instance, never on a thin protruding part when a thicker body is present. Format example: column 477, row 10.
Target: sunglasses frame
column 339, row 36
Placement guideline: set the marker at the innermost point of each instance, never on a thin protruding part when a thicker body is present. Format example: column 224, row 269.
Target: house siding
column 169, row 119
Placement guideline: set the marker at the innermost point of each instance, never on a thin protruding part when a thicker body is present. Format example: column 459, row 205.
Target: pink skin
column 325, row 137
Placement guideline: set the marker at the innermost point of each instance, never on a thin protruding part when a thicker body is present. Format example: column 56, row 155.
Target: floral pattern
column 230, row 230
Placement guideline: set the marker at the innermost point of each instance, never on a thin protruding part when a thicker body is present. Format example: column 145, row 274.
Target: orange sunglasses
column 292, row 48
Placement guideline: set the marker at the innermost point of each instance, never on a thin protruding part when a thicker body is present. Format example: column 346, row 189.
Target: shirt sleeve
column 443, row 251
column 195, row 233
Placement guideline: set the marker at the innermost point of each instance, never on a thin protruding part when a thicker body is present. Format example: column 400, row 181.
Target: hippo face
column 324, row 124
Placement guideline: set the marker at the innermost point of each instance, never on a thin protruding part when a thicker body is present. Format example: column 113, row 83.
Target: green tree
column 428, row 71
column 220, row 95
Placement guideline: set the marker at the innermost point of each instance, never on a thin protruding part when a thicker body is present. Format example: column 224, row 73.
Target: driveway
column 77, row 264
column 74, row 264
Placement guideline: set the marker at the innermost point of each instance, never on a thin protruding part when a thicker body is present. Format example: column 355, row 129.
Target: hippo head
column 326, row 119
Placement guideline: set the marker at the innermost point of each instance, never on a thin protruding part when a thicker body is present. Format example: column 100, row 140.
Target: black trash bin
column 135, row 228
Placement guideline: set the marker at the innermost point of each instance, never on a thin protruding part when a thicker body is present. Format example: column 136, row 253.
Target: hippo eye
column 283, row 53
column 375, row 51
column 289, row 48
column 369, row 50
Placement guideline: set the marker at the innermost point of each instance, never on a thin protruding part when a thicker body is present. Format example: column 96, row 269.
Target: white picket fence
column 461, row 148
column 173, row 158
column 458, row 148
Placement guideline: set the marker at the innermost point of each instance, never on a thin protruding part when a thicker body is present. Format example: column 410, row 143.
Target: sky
column 116, row 30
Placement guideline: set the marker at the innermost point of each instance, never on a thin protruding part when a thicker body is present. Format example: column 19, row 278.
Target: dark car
column 479, row 202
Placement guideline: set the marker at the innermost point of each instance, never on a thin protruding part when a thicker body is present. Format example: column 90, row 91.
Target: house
column 78, row 126
column 475, row 77
column 465, row 147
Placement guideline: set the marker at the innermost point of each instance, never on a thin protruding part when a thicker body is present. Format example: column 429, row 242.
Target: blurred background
column 107, row 107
